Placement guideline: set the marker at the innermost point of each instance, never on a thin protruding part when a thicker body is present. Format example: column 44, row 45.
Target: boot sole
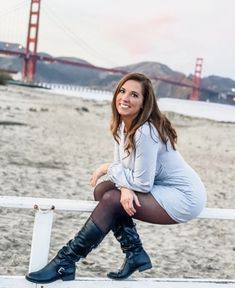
column 65, row 278
column 40, row 282
column 140, row 269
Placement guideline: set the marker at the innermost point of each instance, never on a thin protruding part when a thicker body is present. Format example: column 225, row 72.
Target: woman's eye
column 121, row 91
column 135, row 95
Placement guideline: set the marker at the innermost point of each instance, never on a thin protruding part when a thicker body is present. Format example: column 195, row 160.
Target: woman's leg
column 108, row 210
column 62, row 266
column 101, row 188
column 99, row 192
column 124, row 228
column 124, row 231
column 103, row 218
column 150, row 210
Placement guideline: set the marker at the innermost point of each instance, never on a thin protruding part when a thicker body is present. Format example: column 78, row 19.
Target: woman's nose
column 125, row 97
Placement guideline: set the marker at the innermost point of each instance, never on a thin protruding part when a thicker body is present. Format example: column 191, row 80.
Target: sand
column 49, row 147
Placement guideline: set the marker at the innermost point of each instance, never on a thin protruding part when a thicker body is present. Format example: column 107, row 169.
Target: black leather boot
column 63, row 265
column 136, row 257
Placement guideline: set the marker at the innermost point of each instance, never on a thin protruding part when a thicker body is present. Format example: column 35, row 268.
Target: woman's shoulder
column 147, row 130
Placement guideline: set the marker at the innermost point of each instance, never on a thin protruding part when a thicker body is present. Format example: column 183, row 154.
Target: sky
column 112, row 33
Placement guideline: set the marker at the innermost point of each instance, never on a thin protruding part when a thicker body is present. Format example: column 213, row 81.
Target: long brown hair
column 150, row 113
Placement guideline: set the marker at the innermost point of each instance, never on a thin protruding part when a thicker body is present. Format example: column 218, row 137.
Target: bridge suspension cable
column 18, row 6
column 73, row 36
column 10, row 19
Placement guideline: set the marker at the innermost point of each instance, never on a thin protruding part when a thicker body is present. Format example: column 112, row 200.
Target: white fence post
column 41, row 238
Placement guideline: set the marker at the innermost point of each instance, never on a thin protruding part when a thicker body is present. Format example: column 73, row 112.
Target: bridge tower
column 30, row 61
column 197, row 79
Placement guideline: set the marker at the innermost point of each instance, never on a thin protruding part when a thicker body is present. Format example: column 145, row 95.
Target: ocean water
column 201, row 109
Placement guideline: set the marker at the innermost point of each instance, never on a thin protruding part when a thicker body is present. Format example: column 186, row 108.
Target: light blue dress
column 158, row 169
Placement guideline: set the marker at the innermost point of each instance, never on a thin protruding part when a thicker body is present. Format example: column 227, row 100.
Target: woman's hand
column 99, row 172
column 128, row 198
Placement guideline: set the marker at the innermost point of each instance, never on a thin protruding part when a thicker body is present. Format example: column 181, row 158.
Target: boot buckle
column 61, row 270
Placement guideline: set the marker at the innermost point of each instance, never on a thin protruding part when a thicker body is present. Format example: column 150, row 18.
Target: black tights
column 109, row 208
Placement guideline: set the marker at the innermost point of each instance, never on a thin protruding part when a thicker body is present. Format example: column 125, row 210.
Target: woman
column 148, row 180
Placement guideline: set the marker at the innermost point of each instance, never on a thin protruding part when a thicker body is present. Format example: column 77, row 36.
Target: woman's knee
column 102, row 188
column 111, row 198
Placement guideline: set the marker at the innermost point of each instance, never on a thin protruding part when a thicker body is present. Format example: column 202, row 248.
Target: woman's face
column 129, row 100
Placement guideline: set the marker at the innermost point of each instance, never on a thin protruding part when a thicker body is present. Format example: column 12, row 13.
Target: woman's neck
column 127, row 125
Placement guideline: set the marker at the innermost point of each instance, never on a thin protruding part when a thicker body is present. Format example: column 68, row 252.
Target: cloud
column 139, row 36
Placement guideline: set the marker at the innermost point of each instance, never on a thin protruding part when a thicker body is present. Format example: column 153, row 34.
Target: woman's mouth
column 124, row 106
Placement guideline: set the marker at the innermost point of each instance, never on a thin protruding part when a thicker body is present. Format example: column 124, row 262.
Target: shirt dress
column 156, row 168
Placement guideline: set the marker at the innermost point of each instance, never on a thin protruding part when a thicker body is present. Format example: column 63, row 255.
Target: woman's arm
column 102, row 170
column 141, row 177
column 99, row 172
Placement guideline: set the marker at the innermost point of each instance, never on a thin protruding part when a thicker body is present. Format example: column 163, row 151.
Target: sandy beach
column 49, row 147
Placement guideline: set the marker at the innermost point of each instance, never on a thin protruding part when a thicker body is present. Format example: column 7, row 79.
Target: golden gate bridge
column 31, row 57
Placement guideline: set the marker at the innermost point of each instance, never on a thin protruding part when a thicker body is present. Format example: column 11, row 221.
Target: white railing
column 41, row 242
